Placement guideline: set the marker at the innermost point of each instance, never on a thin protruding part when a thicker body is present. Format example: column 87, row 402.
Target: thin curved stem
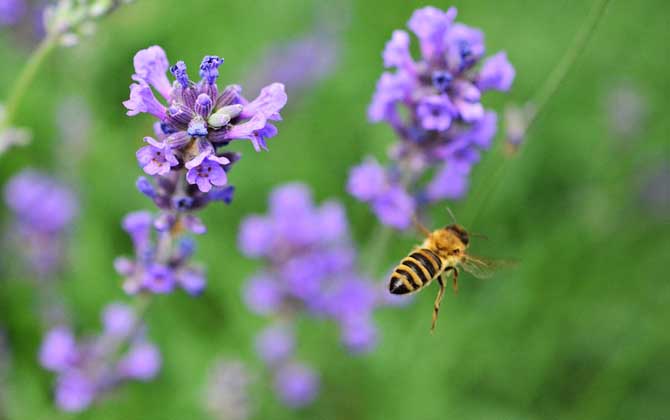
column 544, row 94
column 26, row 78
column 558, row 74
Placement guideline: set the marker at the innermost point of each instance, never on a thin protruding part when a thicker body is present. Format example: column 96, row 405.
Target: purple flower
column 209, row 68
column 11, row 12
column 74, row 391
column 142, row 99
column 118, row 320
column 158, row 279
column 40, row 201
column 367, row 180
column 156, row 158
column 142, row 362
column 435, row 112
column 496, row 73
column 209, row 173
column 192, row 281
column 138, row 225
column 434, row 105
column 430, row 25
column 263, row 295
column 59, row 350
column 275, row 345
column 296, row 384
column 87, row 369
column 256, row 236
column 151, row 64
column 450, row 182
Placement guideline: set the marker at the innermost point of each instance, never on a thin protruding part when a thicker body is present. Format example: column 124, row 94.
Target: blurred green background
column 579, row 330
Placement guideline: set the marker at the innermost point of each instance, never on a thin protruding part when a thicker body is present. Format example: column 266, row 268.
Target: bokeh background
column 578, row 330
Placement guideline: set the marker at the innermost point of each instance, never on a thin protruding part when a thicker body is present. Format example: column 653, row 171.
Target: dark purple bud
column 145, row 187
column 224, row 194
column 203, row 105
column 167, row 128
column 179, row 72
column 209, row 68
column 441, row 80
column 182, row 203
column 197, row 127
column 229, row 96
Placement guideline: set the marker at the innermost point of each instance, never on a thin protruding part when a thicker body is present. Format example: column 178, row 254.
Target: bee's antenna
column 479, row 235
column 452, row 215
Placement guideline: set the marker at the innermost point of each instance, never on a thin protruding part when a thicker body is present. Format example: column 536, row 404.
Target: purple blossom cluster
column 295, row 383
column 43, row 210
column 160, row 264
column 310, row 268
column 197, row 120
column 11, row 12
column 88, row 368
column 434, row 106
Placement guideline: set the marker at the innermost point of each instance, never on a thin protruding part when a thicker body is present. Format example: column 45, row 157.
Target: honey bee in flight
column 443, row 251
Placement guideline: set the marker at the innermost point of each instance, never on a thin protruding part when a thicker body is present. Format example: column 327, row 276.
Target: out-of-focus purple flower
column 158, row 268
column 11, row 11
column 43, row 210
column 74, row 391
column 142, row 362
column 434, row 106
column 88, row 368
column 158, row 279
column 118, row 320
column 263, row 295
column 227, row 394
column 299, row 63
column 367, row 180
column 435, row 112
column 496, row 73
column 310, row 269
column 296, row 384
column 59, row 350
column 40, row 201
column 275, row 344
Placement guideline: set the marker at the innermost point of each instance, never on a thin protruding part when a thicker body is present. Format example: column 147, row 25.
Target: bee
column 442, row 252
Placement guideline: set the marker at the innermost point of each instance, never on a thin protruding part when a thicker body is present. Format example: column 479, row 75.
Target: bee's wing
column 484, row 268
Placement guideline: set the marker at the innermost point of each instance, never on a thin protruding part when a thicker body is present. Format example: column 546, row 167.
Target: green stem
column 558, row 74
column 543, row 96
column 26, row 77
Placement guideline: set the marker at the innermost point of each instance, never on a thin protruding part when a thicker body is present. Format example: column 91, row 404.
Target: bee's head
column 460, row 233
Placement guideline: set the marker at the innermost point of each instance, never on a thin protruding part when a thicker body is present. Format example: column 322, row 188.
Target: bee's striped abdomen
column 415, row 271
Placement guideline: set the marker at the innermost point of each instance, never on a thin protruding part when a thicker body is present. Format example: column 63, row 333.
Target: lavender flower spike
column 198, row 117
column 444, row 125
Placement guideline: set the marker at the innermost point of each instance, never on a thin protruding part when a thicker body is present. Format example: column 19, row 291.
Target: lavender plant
column 65, row 23
column 88, row 368
column 43, row 210
column 434, row 107
column 310, row 269
column 11, row 12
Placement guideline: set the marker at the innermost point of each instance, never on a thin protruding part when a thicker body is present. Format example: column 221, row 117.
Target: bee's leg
column 419, row 226
column 455, row 283
column 438, row 300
